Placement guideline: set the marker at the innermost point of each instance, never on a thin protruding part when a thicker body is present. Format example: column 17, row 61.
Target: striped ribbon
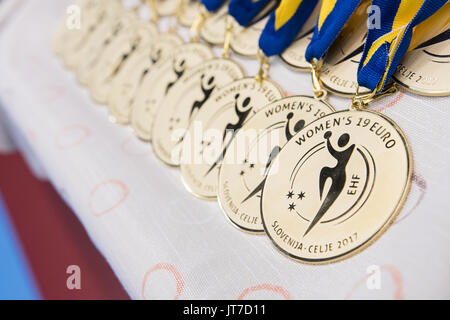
column 333, row 16
column 212, row 5
column 284, row 24
column 248, row 12
column 400, row 30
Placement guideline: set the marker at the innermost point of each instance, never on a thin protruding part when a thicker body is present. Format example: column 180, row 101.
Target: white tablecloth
column 164, row 243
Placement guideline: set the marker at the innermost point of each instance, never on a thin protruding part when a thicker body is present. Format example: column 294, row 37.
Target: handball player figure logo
column 207, row 90
column 337, row 175
column 178, row 69
column 276, row 150
column 156, row 56
column 198, row 104
column 242, row 114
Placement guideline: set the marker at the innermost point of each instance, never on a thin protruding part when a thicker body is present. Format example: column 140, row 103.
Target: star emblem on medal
column 291, row 195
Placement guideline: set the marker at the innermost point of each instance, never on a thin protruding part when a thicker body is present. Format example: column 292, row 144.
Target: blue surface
column 16, row 280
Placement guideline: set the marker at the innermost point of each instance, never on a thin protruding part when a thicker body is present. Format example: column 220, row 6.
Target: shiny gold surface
column 186, row 99
column 219, row 120
column 160, row 81
column 242, row 177
column 336, row 186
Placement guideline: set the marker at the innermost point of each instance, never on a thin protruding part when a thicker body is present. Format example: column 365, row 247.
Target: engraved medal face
column 336, row 186
column 340, row 66
column 188, row 12
column 160, row 80
column 188, row 96
column 146, row 32
column 213, row 129
column 71, row 54
column 126, row 83
column 213, row 29
column 90, row 23
column 426, row 69
column 110, row 61
column 256, row 145
column 294, row 56
column 66, row 39
column 166, row 7
column 117, row 57
column 106, row 35
column 244, row 41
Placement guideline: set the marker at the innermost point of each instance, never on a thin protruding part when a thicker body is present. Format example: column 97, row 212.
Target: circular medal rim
column 240, row 53
column 149, row 137
column 263, row 231
column 341, row 93
column 167, row 13
column 366, row 244
column 232, row 43
column 215, row 197
column 424, row 93
column 211, row 43
column 113, row 113
column 81, row 70
column 111, row 21
column 201, row 64
column 290, row 65
column 92, row 85
column 208, row 40
column 293, row 67
column 179, row 18
column 93, row 14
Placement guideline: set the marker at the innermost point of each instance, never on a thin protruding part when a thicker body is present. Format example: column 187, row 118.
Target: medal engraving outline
column 289, row 134
column 386, row 224
column 242, row 110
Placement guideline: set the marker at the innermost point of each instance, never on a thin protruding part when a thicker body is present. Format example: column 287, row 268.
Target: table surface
column 164, row 243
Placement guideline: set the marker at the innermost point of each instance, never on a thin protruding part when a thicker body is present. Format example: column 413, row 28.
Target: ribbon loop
column 385, row 46
column 212, row 5
column 284, row 24
column 247, row 12
column 333, row 15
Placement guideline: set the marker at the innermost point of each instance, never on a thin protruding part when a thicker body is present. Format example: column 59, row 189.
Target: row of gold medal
column 175, row 95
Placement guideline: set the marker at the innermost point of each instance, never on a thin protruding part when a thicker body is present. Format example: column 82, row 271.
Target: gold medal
column 106, row 35
column 159, row 82
column 294, row 56
column 72, row 53
column 187, row 12
column 91, row 22
column 127, row 82
column 243, row 172
column 336, row 186
column 214, row 27
column 67, row 39
column 116, row 56
column 166, row 7
column 244, row 40
column 185, row 100
column 339, row 69
column 214, row 128
column 425, row 70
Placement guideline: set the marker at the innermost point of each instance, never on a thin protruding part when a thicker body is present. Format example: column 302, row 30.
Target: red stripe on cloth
column 53, row 238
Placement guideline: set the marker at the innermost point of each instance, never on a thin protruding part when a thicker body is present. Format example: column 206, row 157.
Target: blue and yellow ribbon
column 247, row 12
column 284, row 24
column 213, row 5
column 386, row 46
column 333, row 15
